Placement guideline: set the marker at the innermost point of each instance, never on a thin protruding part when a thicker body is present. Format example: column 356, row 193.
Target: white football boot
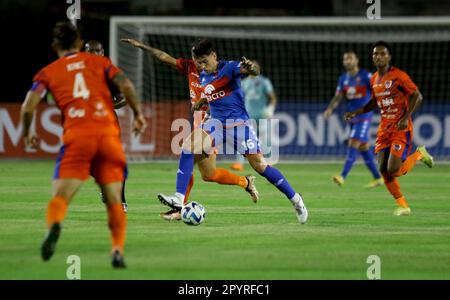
column 173, row 201
column 300, row 208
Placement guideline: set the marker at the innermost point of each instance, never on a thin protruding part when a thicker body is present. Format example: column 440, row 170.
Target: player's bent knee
column 257, row 162
column 259, row 167
column 198, row 142
column 112, row 192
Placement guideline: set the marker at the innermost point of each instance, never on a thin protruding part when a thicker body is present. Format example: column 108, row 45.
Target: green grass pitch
column 239, row 240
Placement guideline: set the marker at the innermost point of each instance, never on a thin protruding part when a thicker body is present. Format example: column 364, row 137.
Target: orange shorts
column 399, row 143
column 100, row 156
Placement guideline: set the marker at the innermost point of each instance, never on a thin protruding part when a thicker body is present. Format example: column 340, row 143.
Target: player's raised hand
column 31, row 141
column 249, row 66
column 350, row 115
column 245, row 62
column 132, row 42
column 139, row 124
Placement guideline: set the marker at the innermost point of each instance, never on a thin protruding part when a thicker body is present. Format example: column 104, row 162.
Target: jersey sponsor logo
column 397, row 147
column 385, row 93
column 388, row 83
column 387, row 101
column 209, row 89
column 195, row 84
column 76, row 113
column 210, row 96
column 100, row 110
column 192, row 94
column 351, row 91
column 391, row 110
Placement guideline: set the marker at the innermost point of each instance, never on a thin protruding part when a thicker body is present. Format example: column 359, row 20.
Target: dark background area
column 26, row 25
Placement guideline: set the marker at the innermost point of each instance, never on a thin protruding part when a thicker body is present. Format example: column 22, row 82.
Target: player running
column 398, row 98
column 119, row 101
column 91, row 142
column 354, row 86
column 207, row 166
column 229, row 126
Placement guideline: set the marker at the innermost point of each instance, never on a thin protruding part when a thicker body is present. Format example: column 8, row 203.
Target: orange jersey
column 78, row 82
column 392, row 92
column 187, row 68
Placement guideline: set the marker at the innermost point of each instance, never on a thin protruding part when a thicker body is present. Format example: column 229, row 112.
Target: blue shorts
column 360, row 131
column 232, row 140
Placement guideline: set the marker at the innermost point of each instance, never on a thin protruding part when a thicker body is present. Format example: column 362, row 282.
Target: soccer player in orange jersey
column 91, row 142
column 398, row 98
column 206, row 166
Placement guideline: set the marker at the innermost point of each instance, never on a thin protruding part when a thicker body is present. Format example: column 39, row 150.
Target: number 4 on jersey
column 80, row 89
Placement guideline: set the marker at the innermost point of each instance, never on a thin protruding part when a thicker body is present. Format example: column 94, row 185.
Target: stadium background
column 304, row 72
column 239, row 240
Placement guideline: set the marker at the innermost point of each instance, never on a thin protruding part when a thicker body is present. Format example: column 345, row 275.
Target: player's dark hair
column 352, row 52
column 65, row 35
column 202, row 47
column 382, row 44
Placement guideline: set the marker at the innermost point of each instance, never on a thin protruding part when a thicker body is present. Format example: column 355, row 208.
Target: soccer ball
column 193, row 213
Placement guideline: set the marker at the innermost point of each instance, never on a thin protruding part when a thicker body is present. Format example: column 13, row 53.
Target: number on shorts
column 248, row 144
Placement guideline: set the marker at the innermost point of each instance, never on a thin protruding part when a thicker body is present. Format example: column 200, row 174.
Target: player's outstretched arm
column 371, row 105
column 333, row 104
column 26, row 117
column 126, row 87
column 248, row 67
column 414, row 102
column 156, row 53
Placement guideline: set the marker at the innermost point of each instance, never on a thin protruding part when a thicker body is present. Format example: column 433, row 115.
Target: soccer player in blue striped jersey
column 229, row 126
column 354, row 86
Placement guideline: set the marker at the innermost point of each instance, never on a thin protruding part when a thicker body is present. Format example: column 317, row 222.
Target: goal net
column 303, row 59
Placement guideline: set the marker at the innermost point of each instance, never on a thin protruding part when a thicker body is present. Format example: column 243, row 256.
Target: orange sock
column 408, row 164
column 56, row 210
column 188, row 190
column 402, row 202
column 222, row 176
column 117, row 222
column 392, row 185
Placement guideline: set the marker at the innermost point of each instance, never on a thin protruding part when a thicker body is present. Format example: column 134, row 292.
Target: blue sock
column 369, row 160
column 352, row 155
column 277, row 179
column 184, row 173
